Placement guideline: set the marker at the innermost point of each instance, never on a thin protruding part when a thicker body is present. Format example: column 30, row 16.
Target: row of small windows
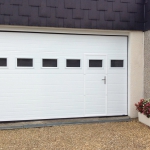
column 28, row 62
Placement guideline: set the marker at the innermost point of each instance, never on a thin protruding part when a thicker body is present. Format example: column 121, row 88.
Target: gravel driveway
column 103, row 136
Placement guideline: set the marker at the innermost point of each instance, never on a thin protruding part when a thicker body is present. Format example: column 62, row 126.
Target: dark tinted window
column 73, row 62
column 3, row 62
column 95, row 63
column 24, row 62
column 49, row 62
column 116, row 63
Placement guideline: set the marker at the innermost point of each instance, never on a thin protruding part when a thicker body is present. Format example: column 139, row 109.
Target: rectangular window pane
column 49, row 62
column 95, row 63
column 116, row 63
column 3, row 62
column 73, row 62
column 24, row 62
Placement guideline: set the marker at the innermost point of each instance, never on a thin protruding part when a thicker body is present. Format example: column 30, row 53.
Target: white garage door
column 44, row 76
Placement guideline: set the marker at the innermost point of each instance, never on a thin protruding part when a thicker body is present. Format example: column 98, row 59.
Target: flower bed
column 143, row 108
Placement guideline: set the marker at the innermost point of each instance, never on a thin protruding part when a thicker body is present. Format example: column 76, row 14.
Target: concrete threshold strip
column 58, row 122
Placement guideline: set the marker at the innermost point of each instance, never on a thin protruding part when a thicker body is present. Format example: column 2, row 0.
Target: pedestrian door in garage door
column 95, row 90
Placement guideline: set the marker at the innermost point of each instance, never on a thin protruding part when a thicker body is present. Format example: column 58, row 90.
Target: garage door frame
column 135, row 42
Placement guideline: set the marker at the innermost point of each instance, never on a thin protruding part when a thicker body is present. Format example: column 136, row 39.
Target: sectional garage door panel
column 35, row 94
column 47, row 76
column 21, row 43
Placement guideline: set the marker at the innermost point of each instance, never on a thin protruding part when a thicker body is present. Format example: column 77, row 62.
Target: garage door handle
column 104, row 79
